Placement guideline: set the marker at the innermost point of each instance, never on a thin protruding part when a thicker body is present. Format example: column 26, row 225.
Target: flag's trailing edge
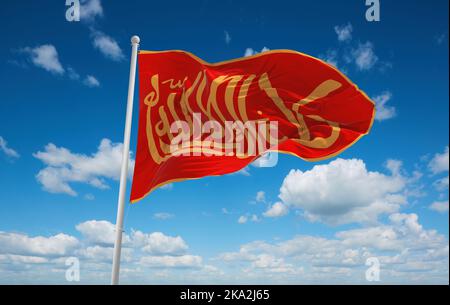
column 318, row 112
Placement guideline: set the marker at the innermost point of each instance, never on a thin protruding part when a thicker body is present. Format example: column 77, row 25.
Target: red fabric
column 284, row 76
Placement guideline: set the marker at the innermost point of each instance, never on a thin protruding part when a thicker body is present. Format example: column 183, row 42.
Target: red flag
column 199, row 119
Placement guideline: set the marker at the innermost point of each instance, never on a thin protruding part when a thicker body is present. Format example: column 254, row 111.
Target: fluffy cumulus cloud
column 98, row 232
column 384, row 111
column 64, row 167
column 157, row 243
column 407, row 252
column 45, row 57
column 34, row 256
column 278, row 209
column 344, row 191
column 8, row 151
column 107, row 45
column 22, row 244
column 344, row 32
column 102, row 254
column 439, row 163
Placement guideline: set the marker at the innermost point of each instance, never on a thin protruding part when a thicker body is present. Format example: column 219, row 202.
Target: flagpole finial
column 135, row 39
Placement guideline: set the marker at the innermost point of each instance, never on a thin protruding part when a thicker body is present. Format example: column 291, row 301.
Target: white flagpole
column 124, row 169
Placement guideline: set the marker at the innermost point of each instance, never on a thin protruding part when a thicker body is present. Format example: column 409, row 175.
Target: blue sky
column 62, row 110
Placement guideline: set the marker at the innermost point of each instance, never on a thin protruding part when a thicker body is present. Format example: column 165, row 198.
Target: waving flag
column 199, row 119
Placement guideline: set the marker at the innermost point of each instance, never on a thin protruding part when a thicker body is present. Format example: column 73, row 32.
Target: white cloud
column 277, row 210
column 7, row 150
column 270, row 263
column 41, row 259
column 344, row 32
column 100, row 232
column 364, row 56
column 249, row 217
column 91, row 81
column 45, row 57
column 439, row 206
column 439, row 163
column 395, row 167
column 361, row 55
column 343, row 191
column 90, row 9
column 22, row 259
column 383, row 111
column 64, row 167
column 410, row 221
column 381, row 238
column 157, row 243
column 261, row 196
column 227, row 37
column 402, row 246
column 183, row 261
column 103, row 254
column 250, row 51
column 107, row 46
column 21, row 244
column 403, row 232
column 408, row 253
column 242, row 219
column 163, row 216
column 97, row 253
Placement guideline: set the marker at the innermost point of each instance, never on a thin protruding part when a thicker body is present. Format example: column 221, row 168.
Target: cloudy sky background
column 62, row 109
